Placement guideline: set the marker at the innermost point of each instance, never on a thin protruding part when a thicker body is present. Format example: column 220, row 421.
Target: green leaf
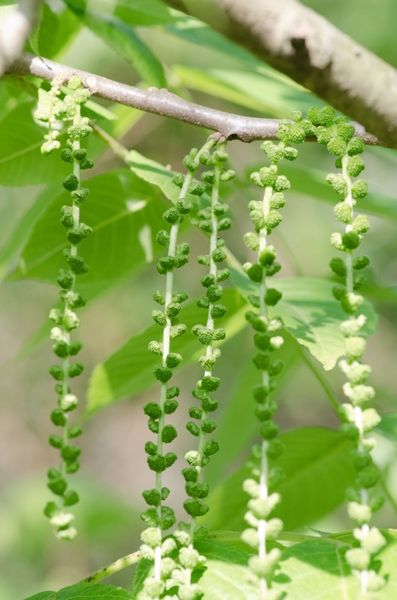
column 227, row 580
column 84, row 591
column 139, row 12
column 123, row 40
column 311, row 314
column 317, row 469
column 319, row 566
column 142, row 12
column 314, row 569
column 197, row 33
column 130, row 369
column 125, row 214
column 247, row 82
column 21, row 162
column 226, row 575
column 54, row 31
column 16, row 240
column 141, row 572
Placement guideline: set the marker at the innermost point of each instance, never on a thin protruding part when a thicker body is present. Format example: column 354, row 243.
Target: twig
column 163, row 102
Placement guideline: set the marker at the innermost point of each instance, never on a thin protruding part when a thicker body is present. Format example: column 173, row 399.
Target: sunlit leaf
column 310, row 313
column 314, row 568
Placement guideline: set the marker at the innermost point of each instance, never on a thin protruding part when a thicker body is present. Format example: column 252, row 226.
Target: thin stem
column 263, row 477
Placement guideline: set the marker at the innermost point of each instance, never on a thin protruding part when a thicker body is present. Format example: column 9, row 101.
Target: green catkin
column 265, row 217
column 213, row 220
column 160, row 517
column 59, row 114
column 359, row 419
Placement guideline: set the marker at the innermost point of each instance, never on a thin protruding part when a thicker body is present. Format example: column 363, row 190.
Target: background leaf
column 130, row 370
column 246, row 81
column 54, row 31
column 154, row 173
column 317, row 469
column 9, row 250
column 142, row 12
column 21, row 162
column 123, row 40
column 125, row 214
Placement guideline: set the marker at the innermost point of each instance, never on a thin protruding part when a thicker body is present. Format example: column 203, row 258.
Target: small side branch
column 118, row 565
column 163, row 102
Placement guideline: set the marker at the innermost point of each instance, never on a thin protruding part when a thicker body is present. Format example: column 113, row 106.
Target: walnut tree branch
column 162, row 102
column 305, row 46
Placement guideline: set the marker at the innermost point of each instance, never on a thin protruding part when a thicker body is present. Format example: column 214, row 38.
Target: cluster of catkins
column 212, row 219
column 175, row 558
column 176, row 561
column 60, row 110
column 158, row 517
column 359, row 419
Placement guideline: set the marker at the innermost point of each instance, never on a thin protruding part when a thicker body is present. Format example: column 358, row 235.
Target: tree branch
column 297, row 41
column 14, row 31
column 163, row 102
